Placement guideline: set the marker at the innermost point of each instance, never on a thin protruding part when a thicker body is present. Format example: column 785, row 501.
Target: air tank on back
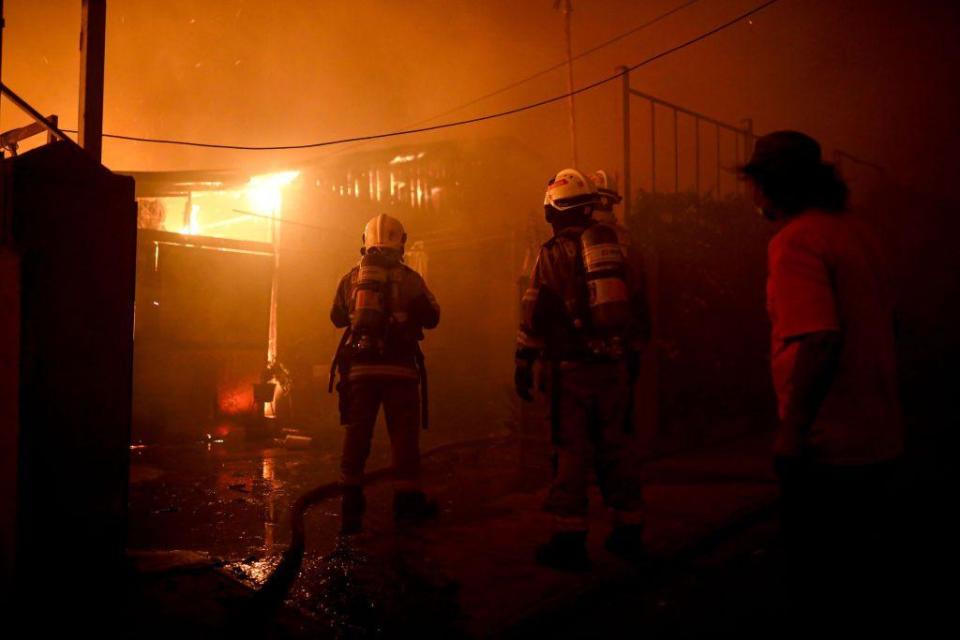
column 370, row 314
column 606, row 275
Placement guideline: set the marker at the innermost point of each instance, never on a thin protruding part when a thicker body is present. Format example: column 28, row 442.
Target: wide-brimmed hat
column 783, row 153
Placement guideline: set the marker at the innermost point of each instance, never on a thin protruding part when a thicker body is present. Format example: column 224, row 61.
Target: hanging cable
column 456, row 123
column 542, row 72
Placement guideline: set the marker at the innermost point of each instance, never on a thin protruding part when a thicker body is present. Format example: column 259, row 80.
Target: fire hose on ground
column 278, row 584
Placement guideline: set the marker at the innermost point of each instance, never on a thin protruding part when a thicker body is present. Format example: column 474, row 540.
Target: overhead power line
column 505, row 88
column 457, row 123
column 560, row 65
column 538, row 74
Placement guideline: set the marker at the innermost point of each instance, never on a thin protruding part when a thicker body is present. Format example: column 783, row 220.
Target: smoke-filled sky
column 874, row 77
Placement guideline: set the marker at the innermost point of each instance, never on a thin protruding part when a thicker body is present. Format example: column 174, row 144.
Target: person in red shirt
column 831, row 309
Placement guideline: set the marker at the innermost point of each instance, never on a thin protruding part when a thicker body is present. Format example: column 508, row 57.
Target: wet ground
column 468, row 574
column 232, row 505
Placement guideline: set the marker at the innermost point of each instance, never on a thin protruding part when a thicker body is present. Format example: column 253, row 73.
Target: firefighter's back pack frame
column 341, row 364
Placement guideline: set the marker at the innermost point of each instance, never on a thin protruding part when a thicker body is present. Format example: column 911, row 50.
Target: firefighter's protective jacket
column 414, row 310
column 555, row 317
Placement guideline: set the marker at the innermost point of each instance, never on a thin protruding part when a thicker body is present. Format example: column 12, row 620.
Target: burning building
column 236, row 272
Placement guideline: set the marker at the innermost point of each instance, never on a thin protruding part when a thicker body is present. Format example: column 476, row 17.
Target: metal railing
column 843, row 159
column 41, row 123
column 683, row 159
column 10, row 141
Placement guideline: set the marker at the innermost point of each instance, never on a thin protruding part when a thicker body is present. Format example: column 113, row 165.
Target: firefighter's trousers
column 400, row 399
column 590, row 435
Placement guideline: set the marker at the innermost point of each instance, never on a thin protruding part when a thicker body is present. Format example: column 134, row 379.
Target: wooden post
column 696, row 148
column 93, row 26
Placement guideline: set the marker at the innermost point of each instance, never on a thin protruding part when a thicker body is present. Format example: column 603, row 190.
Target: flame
column 213, row 211
column 193, row 227
column 265, row 192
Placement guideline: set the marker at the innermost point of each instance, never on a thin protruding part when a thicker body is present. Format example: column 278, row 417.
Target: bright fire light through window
column 243, row 213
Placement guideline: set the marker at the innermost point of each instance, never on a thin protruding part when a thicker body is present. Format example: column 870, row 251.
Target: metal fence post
column 653, row 147
column 676, row 154
column 718, row 160
column 696, row 146
column 627, row 189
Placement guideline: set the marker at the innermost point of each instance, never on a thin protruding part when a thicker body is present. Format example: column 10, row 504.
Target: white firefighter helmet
column 570, row 189
column 384, row 232
column 606, row 189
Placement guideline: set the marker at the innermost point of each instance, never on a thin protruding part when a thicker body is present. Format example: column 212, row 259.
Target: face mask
column 384, row 257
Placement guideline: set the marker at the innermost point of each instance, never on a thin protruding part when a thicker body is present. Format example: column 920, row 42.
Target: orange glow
column 246, row 213
column 236, row 399
column 265, row 193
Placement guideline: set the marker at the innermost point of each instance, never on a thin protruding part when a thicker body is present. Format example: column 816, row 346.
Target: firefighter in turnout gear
column 582, row 316
column 384, row 306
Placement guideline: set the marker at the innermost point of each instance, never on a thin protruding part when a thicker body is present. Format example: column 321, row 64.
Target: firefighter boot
column 626, row 541
column 413, row 507
column 351, row 512
column 566, row 551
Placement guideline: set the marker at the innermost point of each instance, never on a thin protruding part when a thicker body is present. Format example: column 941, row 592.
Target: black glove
column 523, row 380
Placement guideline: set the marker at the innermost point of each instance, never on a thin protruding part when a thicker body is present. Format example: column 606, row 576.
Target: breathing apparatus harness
column 373, row 323
column 598, row 308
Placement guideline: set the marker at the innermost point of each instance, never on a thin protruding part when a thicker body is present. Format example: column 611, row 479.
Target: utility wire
column 538, row 74
column 560, row 65
column 458, row 123
column 491, row 94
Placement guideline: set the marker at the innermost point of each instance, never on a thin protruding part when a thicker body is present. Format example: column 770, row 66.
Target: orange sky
column 874, row 77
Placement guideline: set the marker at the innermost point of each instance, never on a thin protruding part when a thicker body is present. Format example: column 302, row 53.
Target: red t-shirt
column 826, row 272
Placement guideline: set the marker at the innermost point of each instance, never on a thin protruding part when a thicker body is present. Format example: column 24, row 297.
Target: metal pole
column 748, row 139
column 747, row 146
column 696, row 144
column 718, row 160
column 625, row 124
column 653, row 148
column 736, row 159
column 93, row 25
column 676, row 155
column 567, row 11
